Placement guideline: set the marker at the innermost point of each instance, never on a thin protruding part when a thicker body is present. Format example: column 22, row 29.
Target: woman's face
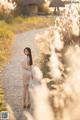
column 26, row 52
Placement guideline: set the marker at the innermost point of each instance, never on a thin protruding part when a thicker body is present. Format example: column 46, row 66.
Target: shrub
column 44, row 8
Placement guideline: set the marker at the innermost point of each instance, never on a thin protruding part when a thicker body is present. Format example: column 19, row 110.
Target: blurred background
column 63, row 19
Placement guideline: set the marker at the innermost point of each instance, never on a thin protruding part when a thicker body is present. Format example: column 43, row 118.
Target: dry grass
column 2, row 102
column 6, row 37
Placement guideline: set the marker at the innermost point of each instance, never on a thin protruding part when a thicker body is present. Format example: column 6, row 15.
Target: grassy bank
column 2, row 102
column 20, row 24
column 6, row 37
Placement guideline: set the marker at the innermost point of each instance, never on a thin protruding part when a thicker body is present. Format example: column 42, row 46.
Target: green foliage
column 19, row 19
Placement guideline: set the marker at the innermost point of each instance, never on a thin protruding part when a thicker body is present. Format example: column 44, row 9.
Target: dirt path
column 12, row 76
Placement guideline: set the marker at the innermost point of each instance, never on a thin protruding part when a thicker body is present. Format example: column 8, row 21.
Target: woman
column 27, row 75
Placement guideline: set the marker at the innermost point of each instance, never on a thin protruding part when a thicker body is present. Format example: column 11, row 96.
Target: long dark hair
column 30, row 55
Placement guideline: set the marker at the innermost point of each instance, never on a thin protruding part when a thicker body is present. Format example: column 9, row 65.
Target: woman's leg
column 27, row 77
column 24, row 96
